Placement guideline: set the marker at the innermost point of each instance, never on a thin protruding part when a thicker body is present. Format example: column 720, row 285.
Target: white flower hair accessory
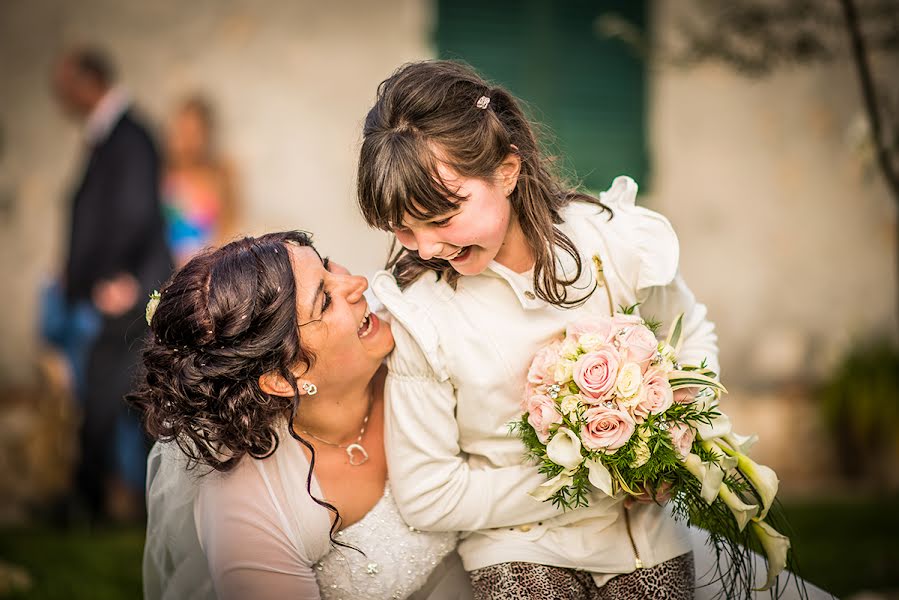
column 152, row 305
column 483, row 102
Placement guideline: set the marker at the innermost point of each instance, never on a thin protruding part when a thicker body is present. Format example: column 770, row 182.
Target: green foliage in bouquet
column 633, row 438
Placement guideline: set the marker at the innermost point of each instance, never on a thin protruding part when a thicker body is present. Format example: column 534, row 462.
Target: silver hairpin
column 483, row 102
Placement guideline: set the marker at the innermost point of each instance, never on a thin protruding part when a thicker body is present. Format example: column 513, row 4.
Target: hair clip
column 483, row 102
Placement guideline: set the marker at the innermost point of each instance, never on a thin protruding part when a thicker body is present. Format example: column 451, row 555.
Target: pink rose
column 606, row 429
column 620, row 321
column 599, row 326
column 542, row 413
column 638, row 344
column 541, row 370
column 682, row 436
column 657, row 396
column 595, row 372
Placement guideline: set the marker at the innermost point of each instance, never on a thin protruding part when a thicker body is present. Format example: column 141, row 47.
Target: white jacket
column 456, row 380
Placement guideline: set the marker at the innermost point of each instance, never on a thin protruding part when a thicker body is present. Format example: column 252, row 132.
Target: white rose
column 564, row 449
column 590, row 342
column 569, row 349
column 641, row 454
column 629, row 380
column 570, row 404
column 563, row 371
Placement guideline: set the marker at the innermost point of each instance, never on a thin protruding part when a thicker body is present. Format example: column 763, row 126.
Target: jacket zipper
column 627, row 522
column 601, row 282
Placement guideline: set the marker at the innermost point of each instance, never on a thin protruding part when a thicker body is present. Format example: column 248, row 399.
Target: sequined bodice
column 398, row 559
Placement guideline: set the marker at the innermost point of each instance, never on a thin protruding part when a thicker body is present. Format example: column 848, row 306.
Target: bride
column 264, row 384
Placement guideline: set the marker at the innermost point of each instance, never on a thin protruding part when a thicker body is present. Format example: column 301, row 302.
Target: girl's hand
column 650, row 496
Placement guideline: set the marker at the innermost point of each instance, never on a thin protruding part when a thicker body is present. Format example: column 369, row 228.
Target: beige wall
column 292, row 80
column 785, row 234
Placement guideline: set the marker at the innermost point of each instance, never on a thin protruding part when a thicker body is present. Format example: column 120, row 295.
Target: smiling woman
column 264, row 388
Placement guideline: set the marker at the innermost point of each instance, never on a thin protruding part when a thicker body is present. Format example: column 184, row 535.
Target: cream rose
column 606, row 429
column 595, row 372
column 629, row 380
column 570, row 404
column 563, row 371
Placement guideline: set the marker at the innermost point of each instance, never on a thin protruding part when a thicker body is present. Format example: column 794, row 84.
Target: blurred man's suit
column 116, row 228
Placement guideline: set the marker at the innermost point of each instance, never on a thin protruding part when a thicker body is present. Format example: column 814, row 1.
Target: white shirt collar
column 106, row 114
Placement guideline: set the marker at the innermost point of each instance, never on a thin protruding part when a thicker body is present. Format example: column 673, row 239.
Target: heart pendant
column 357, row 454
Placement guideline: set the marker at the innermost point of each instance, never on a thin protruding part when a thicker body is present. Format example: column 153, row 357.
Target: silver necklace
column 354, row 450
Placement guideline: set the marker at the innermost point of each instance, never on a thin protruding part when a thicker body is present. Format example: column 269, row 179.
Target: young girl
column 497, row 257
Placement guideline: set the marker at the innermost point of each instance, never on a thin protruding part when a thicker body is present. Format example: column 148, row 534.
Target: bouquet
column 610, row 407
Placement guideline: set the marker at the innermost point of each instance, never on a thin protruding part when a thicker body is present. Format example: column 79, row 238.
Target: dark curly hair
column 226, row 318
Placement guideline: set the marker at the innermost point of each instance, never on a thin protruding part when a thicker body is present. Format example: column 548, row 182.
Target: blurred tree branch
column 757, row 37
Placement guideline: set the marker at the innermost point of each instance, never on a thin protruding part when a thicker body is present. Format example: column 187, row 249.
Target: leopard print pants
column 671, row 580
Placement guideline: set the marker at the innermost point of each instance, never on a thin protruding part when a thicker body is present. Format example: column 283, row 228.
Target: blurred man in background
column 117, row 254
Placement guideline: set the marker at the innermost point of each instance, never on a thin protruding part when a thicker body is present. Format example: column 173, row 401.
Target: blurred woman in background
column 199, row 188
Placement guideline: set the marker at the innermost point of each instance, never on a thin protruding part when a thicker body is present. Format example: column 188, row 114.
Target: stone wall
column 292, row 81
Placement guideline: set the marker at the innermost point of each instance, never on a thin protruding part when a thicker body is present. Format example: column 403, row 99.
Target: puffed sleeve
column 649, row 261
column 433, row 484
column 243, row 537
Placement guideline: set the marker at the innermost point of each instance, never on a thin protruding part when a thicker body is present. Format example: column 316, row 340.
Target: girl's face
column 335, row 322
column 477, row 231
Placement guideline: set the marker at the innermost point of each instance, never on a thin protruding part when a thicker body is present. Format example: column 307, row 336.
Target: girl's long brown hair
column 427, row 113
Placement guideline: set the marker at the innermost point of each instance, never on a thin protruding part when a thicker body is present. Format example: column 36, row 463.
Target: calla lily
column 599, row 476
column 776, row 545
column 720, row 426
column 710, row 474
column 546, row 490
column 727, row 462
column 740, row 443
column 564, row 449
column 742, row 512
column 762, row 478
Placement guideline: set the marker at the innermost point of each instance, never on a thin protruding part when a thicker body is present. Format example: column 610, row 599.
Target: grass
column 103, row 564
column 848, row 545
column 844, row 546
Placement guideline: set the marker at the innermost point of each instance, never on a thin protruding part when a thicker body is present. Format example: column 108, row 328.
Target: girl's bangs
column 408, row 184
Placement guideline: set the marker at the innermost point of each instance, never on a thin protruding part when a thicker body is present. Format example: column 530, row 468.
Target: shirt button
column 524, row 528
column 529, row 295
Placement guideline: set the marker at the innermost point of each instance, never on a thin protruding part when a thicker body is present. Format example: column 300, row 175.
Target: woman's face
column 188, row 139
column 335, row 322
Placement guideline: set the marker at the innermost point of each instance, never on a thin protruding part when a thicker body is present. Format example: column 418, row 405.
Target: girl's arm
column 665, row 303
column 433, row 484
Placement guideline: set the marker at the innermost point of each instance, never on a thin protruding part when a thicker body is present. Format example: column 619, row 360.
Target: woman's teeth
column 366, row 324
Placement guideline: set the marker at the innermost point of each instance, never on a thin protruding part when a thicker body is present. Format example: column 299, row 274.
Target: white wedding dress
column 255, row 533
